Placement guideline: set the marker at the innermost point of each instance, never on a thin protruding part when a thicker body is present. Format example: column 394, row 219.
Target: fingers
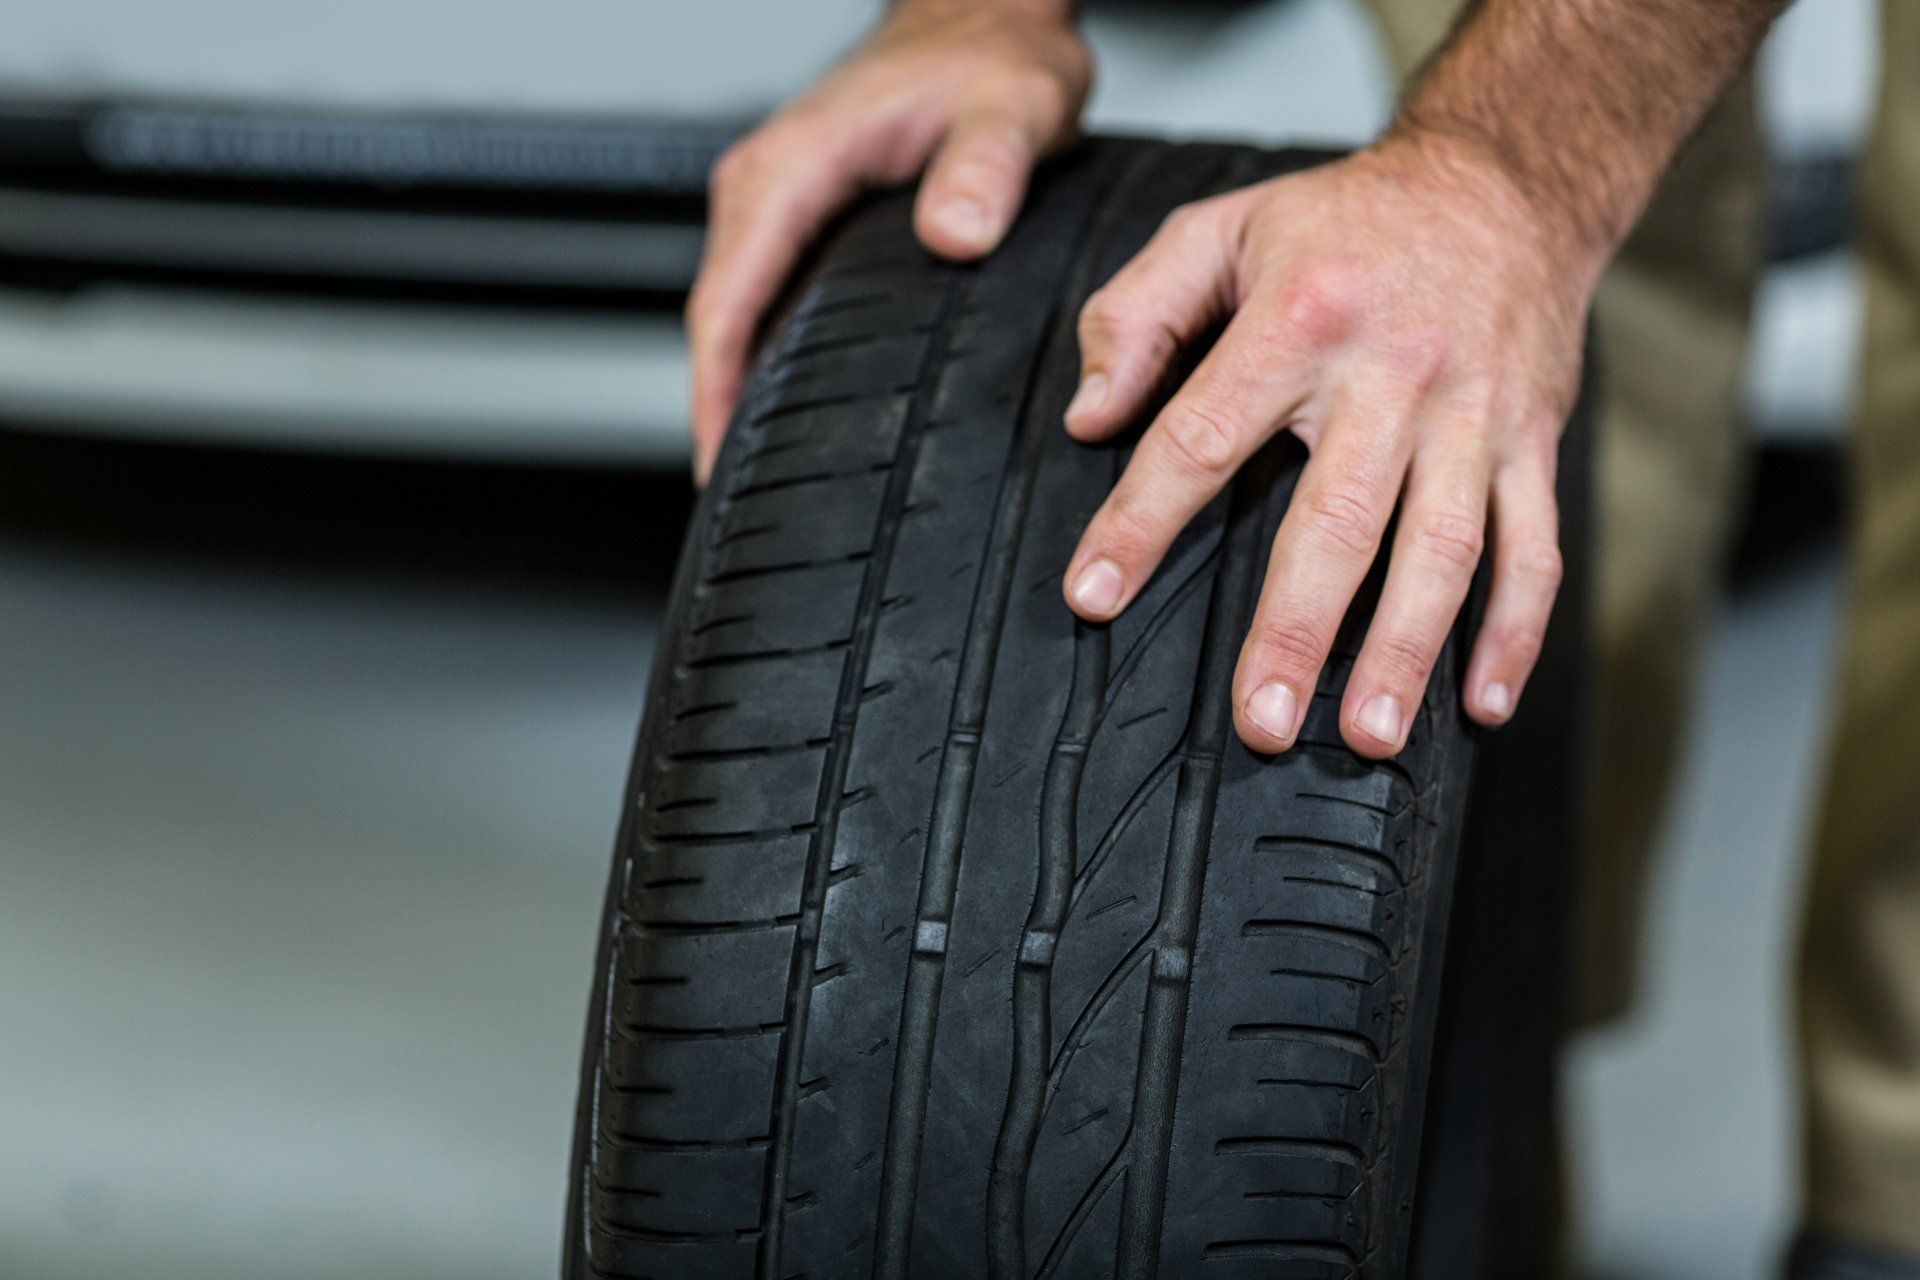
column 772, row 194
column 1326, row 543
column 1131, row 328
column 1436, row 549
column 769, row 198
column 1235, row 400
column 975, row 183
column 1526, row 578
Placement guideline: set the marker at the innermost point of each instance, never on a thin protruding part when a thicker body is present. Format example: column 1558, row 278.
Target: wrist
column 1578, row 105
column 1465, row 164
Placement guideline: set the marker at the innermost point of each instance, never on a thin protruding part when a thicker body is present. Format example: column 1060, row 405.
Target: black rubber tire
column 948, row 937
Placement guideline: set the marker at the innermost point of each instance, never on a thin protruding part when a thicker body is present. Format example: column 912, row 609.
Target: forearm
column 1583, row 102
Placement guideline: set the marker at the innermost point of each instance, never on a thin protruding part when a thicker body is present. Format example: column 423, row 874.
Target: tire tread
column 948, row 936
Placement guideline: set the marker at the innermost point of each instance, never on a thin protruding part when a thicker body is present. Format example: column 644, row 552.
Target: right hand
column 975, row 94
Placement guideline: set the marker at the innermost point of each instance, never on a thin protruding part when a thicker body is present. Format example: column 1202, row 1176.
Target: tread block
column 674, row 979
column 808, row 456
column 618, row 1255
column 802, row 605
column 687, row 1090
column 774, row 527
column 708, row 800
column 712, row 1187
column 746, row 706
column 758, row 880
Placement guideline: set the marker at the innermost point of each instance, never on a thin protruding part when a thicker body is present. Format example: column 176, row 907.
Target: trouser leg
column 1860, row 960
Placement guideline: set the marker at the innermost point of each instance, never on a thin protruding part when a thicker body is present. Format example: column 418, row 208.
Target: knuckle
column 1288, row 643
column 1181, row 216
column 1047, row 90
column 1406, row 656
column 1420, row 359
column 1201, row 436
column 698, row 313
column 1538, row 434
column 1075, row 75
column 1538, row 561
column 1322, row 306
column 1520, row 643
column 1544, row 428
column 733, row 165
column 1184, row 220
column 992, row 147
column 1127, row 531
column 1103, row 316
column 1453, row 538
column 1343, row 514
column 1478, row 392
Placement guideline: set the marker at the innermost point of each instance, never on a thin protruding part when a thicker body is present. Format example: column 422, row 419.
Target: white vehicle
column 464, row 231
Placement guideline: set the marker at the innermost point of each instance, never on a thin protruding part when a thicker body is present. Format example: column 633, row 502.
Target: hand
column 972, row 93
column 1418, row 325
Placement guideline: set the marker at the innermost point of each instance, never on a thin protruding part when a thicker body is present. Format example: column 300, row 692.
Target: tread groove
column 1340, row 934
column 1329, row 1152
column 1114, row 1171
column 1038, row 416
column 1071, row 1043
column 1359, row 855
column 1163, row 1025
column 1348, row 1042
column 1053, row 897
column 1283, row 1251
column 853, row 679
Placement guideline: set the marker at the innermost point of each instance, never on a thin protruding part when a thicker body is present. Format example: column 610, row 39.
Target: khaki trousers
column 1860, row 951
column 1673, row 316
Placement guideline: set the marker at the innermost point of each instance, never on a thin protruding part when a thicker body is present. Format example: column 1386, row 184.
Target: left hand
column 1417, row 322
column 965, row 95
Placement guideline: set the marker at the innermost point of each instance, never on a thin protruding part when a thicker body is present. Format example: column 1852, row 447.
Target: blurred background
column 341, row 472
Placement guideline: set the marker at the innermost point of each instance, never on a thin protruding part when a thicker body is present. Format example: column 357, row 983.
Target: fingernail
column 1498, row 700
column 1380, row 716
column 1274, row 708
column 1098, row 587
column 966, row 220
column 1091, row 395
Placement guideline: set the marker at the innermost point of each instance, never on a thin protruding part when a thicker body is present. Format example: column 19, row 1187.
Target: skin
column 967, row 96
column 1414, row 314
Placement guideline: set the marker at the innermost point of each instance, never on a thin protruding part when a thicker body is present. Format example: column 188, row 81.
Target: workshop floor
column 307, row 783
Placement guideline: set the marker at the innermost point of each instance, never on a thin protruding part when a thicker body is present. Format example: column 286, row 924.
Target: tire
column 947, row 936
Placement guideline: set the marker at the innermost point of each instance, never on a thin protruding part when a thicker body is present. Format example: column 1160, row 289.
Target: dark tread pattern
column 947, row 936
